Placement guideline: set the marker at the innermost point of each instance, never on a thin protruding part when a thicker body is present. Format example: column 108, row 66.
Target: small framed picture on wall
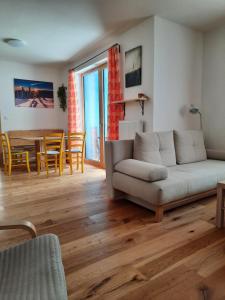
column 133, row 67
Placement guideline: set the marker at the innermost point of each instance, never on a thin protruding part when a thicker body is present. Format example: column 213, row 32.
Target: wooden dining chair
column 53, row 152
column 11, row 157
column 76, row 146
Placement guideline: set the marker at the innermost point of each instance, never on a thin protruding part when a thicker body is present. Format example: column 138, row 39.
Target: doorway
column 95, row 95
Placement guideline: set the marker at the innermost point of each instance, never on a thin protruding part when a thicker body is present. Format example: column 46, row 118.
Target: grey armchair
column 32, row 270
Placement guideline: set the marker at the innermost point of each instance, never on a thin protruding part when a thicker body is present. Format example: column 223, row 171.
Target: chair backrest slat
column 76, row 140
column 54, row 141
column 6, row 147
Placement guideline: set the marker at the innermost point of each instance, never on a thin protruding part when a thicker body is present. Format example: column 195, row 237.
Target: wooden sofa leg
column 159, row 214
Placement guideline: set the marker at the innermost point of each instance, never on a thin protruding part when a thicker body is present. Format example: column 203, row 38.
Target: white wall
column 21, row 118
column 214, row 88
column 142, row 34
column 171, row 73
column 171, row 76
column 177, row 75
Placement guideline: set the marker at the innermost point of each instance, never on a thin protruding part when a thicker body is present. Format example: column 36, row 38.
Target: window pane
column 91, row 114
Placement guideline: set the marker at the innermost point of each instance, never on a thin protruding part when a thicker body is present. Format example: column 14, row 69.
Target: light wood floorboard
column 113, row 249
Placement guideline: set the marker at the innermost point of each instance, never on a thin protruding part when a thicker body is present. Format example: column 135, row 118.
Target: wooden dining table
column 37, row 140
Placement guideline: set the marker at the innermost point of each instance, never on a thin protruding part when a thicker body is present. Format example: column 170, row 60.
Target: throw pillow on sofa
column 189, row 145
column 155, row 148
column 142, row 170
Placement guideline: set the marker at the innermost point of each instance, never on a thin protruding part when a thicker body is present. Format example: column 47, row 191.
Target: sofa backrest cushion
column 189, row 145
column 146, row 148
column 167, row 148
column 155, row 148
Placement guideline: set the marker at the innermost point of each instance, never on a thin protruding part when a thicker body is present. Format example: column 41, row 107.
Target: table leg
column 220, row 207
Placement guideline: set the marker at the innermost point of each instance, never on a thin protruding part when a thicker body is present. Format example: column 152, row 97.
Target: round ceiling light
column 15, row 42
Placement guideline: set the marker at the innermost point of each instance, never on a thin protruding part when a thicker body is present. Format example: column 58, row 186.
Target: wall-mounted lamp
column 194, row 110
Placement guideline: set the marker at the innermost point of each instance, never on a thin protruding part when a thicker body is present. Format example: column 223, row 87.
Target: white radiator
column 128, row 129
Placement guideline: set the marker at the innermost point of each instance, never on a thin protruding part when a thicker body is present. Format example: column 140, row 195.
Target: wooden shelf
column 141, row 101
column 131, row 100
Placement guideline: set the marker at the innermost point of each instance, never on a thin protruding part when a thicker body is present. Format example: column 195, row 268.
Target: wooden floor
column 112, row 249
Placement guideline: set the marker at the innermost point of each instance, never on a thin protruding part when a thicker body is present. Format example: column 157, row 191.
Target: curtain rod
column 86, row 61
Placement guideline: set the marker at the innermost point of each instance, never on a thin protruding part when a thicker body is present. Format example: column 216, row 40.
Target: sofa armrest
column 142, row 170
column 25, row 225
column 215, row 154
column 115, row 151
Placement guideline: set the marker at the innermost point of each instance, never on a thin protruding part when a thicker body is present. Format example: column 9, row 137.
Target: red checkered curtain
column 115, row 111
column 74, row 123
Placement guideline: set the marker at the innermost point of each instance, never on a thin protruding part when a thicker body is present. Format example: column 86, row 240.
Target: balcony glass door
column 92, row 116
column 95, row 92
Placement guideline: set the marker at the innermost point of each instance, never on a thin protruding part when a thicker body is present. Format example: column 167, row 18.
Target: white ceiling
column 57, row 31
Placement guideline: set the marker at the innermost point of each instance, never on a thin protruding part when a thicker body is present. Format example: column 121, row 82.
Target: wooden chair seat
column 50, row 152
column 74, row 150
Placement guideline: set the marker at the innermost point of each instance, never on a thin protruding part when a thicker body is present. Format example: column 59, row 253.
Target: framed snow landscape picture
column 31, row 93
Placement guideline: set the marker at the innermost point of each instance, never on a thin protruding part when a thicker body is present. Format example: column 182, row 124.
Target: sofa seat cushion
column 182, row 181
column 189, row 145
column 33, row 270
column 204, row 175
column 156, row 193
column 155, row 147
column 142, row 170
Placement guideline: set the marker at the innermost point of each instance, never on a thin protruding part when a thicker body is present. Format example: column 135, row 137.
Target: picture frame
column 33, row 93
column 133, row 67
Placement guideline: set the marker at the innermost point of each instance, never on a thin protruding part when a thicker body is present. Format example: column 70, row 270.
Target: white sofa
column 163, row 170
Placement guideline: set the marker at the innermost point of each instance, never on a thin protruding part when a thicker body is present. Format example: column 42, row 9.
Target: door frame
column 99, row 68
